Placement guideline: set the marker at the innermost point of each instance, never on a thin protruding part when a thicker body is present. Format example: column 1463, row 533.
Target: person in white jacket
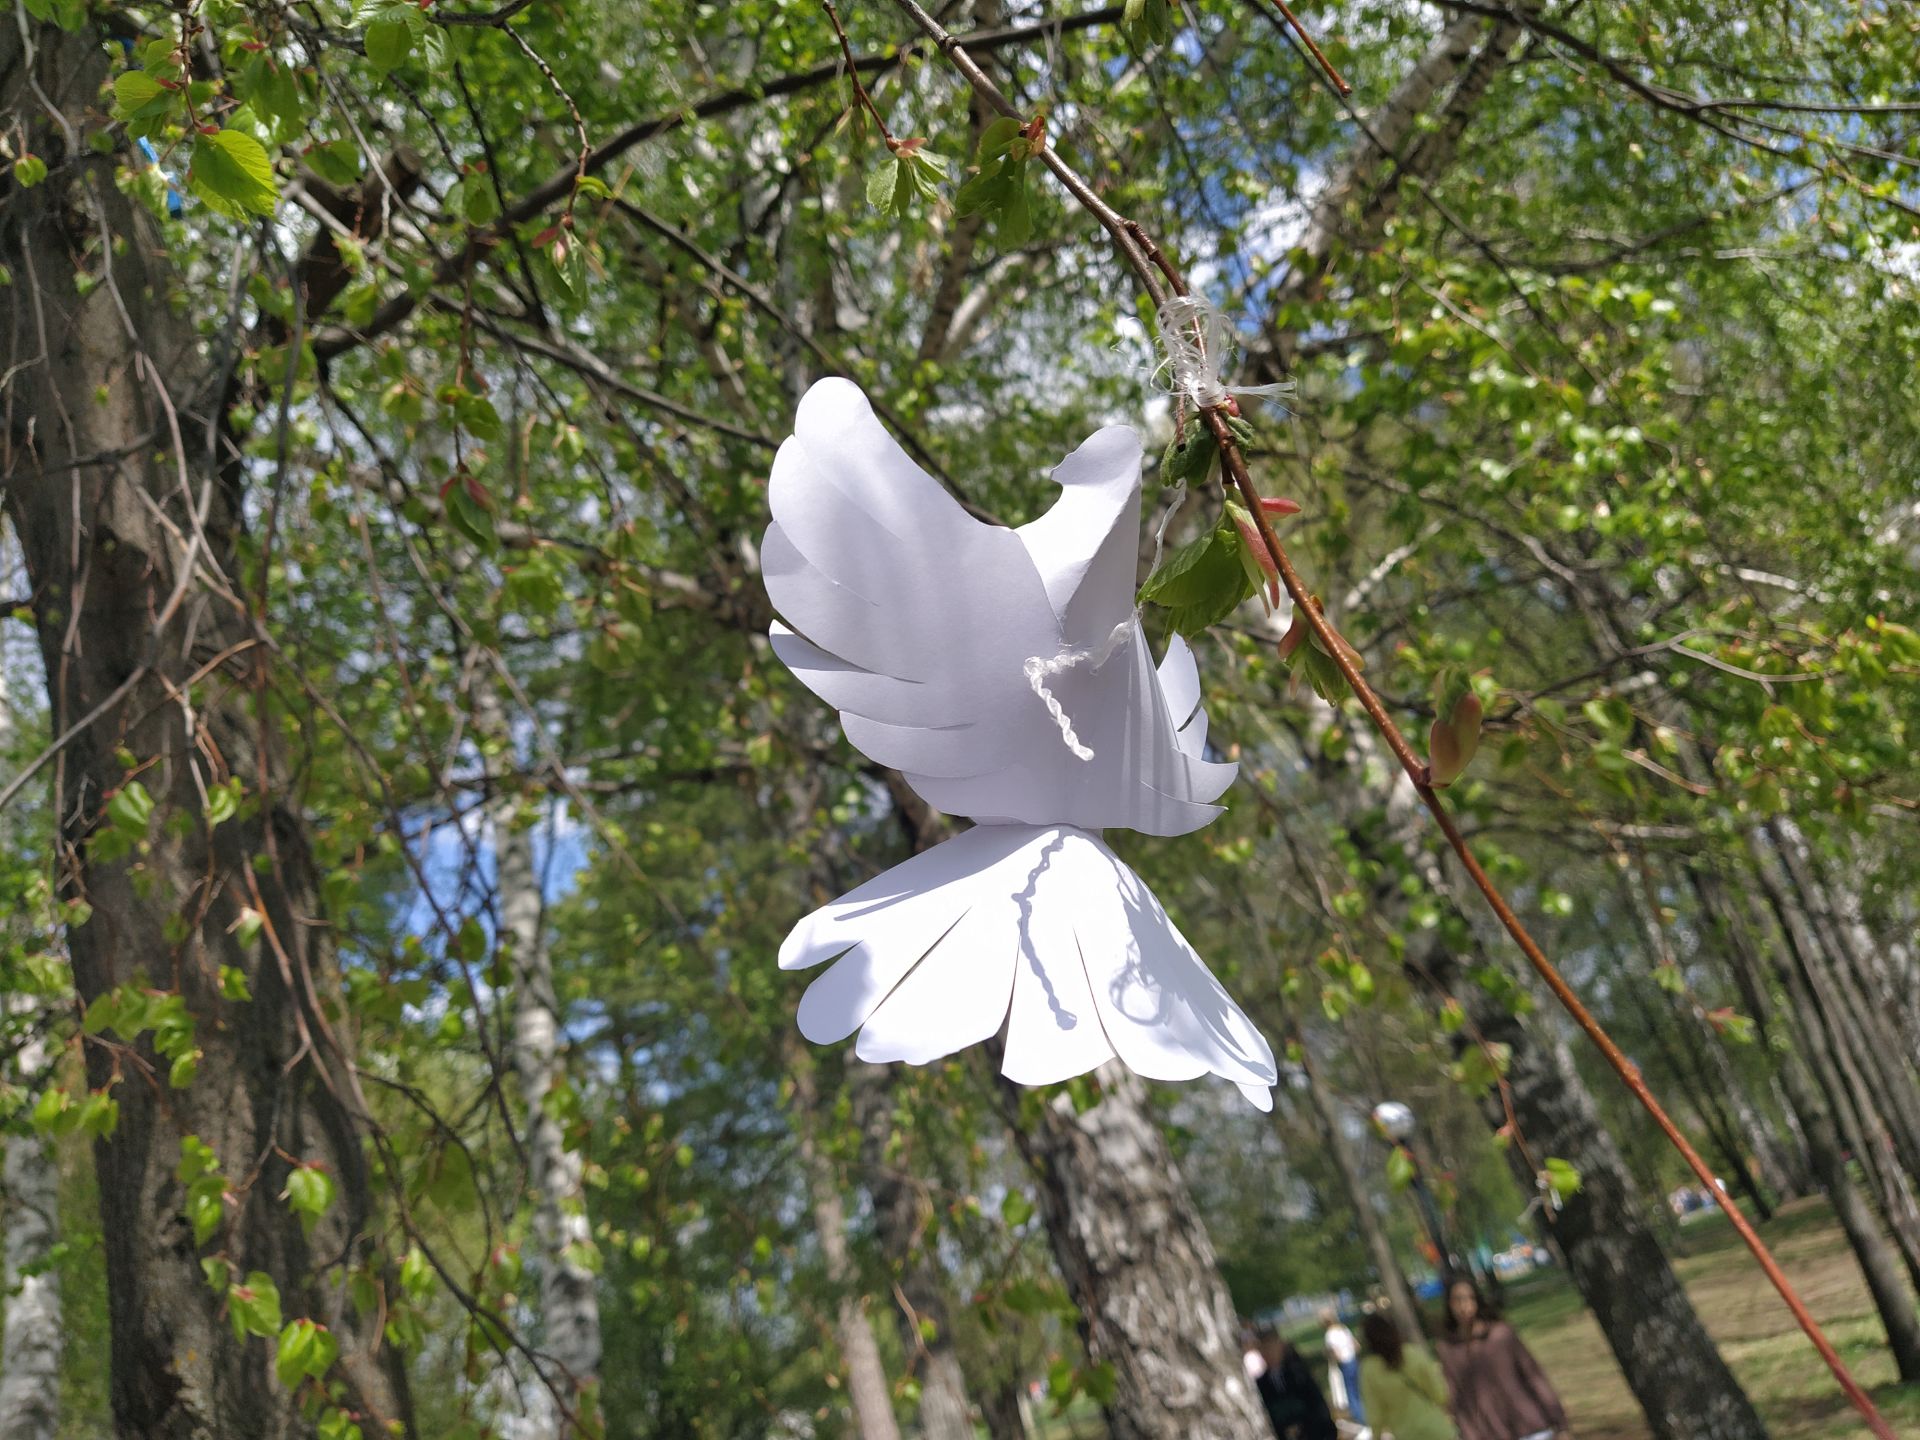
column 1343, row 1367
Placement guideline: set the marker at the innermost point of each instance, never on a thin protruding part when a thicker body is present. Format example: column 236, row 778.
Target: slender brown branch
column 1307, row 40
column 1139, row 251
column 860, row 95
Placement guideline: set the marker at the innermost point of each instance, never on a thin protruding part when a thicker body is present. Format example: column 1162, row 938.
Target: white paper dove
column 1003, row 673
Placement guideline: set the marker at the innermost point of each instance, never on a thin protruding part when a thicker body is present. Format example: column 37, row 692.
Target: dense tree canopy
column 404, row 807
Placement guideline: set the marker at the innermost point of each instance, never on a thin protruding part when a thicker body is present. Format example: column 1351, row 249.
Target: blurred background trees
column 402, row 809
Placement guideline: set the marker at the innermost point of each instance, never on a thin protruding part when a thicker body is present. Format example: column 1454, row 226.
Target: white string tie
column 1037, row 671
column 1200, row 344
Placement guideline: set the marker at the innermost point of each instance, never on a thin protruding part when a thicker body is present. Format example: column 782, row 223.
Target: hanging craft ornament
column 1005, row 675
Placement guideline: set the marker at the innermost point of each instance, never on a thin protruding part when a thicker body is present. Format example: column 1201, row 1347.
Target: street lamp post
column 1395, row 1122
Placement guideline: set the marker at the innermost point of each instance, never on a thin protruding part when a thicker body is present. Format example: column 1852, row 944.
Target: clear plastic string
column 1200, row 343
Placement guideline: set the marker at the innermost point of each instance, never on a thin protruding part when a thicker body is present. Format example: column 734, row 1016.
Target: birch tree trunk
column 31, row 1344
column 569, row 1303
column 1832, row 1055
column 1137, row 1260
column 1879, row 1260
column 945, row 1413
column 1668, row 1360
column 867, row 1386
column 1879, row 1264
column 1718, row 1084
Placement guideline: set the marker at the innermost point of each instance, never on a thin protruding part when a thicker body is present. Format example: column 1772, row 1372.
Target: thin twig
column 1306, row 39
column 853, row 76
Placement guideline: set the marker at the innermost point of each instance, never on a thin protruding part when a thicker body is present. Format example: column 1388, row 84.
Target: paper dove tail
column 1041, row 929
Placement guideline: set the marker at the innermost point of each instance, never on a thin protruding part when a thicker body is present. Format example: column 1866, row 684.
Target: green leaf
column 223, row 801
column 232, row 172
column 196, row 1159
column 97, row 1115
column 1016, row 1209
column 388, row 43
column 131, row 808
column 1189, row 457
column 309, row 1194
column 204, row 1209
column 253, row 1308
column 1147, row 22
column 1100, row 1383
column 136, row 88
column 883, row 181
column 471, row 516
column 50, row 1111
column 29, row 170
column 1561, row 1178
column 482, row 203
column 416, row 1274
column 337, row 161
column 1400, row 1168
column 447, row 1180
column 1015, row 223
column 1000, row 133
column 1201, row 583
column 247, row 928
column 306, row 1350
column 988, row 191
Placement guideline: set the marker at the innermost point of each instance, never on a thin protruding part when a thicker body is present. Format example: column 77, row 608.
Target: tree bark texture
column 1138, row 1261
column 1833, row 1056
column 945, row 1413
column 128, row 522
column 1879, row 1263
column 1820, row 1132
column 1668, row 1360
column 867, row 1386
column 31, row 1343
column 569, row 1305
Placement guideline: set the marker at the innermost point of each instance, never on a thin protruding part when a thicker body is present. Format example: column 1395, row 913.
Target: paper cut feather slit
column 918, row 623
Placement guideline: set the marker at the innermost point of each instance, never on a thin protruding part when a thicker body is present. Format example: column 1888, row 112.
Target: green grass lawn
column 1797, row 1397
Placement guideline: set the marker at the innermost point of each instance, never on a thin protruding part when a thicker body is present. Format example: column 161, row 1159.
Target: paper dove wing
column 921, row 625
column 917, row 622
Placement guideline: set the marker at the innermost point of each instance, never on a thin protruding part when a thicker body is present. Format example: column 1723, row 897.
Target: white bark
column 1137, row 1260
column 569, row 1305
column 30, row 1346
column 30, row 1191
column 867, row 1386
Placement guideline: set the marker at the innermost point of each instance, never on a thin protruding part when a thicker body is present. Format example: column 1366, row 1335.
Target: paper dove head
column 1005, row 675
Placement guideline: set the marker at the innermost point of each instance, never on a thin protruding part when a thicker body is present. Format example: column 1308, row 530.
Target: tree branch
column 335, row 341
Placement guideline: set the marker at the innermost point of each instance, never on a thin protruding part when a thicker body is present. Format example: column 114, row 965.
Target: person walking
column 1295, row 1406
column 1343, row 1366
column 1402, row 1388
column 1250, row 1355
column 1499, row 1390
